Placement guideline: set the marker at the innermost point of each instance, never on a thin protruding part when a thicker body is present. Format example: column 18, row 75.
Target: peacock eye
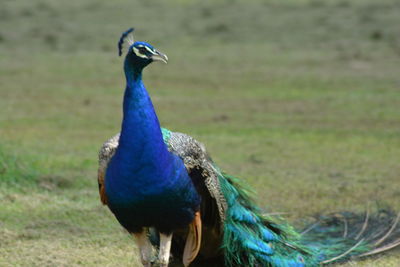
column 142, row 50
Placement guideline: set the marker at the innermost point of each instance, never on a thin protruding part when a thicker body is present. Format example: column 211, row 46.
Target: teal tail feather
column 344, row 236
column 252, row 238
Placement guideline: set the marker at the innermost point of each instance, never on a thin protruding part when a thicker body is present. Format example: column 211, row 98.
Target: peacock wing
column 106, row 152
column 205, row 177
column 202, row 171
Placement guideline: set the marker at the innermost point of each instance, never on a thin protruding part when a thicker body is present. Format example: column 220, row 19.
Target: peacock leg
column 165, row 247
column 145, row 247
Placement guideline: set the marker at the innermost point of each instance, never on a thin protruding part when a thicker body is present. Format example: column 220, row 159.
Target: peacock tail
column 252, row 238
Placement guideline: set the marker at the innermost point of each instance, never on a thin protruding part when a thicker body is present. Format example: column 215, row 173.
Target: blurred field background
column 300, row 98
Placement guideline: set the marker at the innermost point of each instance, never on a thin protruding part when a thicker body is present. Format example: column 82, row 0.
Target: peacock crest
column 125, row 41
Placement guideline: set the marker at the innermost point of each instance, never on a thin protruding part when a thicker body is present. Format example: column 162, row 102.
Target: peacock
column 165, row 190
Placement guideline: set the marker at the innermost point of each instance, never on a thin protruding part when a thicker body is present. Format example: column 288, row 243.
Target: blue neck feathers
column 141, row 136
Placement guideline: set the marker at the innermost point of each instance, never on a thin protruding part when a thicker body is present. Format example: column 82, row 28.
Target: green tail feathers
column 254, row 239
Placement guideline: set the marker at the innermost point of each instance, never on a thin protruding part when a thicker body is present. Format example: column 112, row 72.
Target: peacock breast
column 165, row 199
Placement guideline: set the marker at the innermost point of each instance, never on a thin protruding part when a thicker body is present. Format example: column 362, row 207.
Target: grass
column 300, row 98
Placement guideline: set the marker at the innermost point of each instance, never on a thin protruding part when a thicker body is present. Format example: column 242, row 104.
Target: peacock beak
column 158, row 56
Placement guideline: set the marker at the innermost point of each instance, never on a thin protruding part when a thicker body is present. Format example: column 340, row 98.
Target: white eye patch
column 139, row 54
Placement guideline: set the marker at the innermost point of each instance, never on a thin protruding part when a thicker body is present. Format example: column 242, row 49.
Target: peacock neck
column 141, row 138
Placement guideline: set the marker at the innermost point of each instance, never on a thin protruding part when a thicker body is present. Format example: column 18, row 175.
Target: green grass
column 300, row 98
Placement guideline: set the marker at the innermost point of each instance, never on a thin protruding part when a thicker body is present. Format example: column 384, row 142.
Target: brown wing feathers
column 105, row 154
column 102, row 190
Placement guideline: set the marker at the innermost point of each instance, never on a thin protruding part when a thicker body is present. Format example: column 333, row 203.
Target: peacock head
column 139, row 54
